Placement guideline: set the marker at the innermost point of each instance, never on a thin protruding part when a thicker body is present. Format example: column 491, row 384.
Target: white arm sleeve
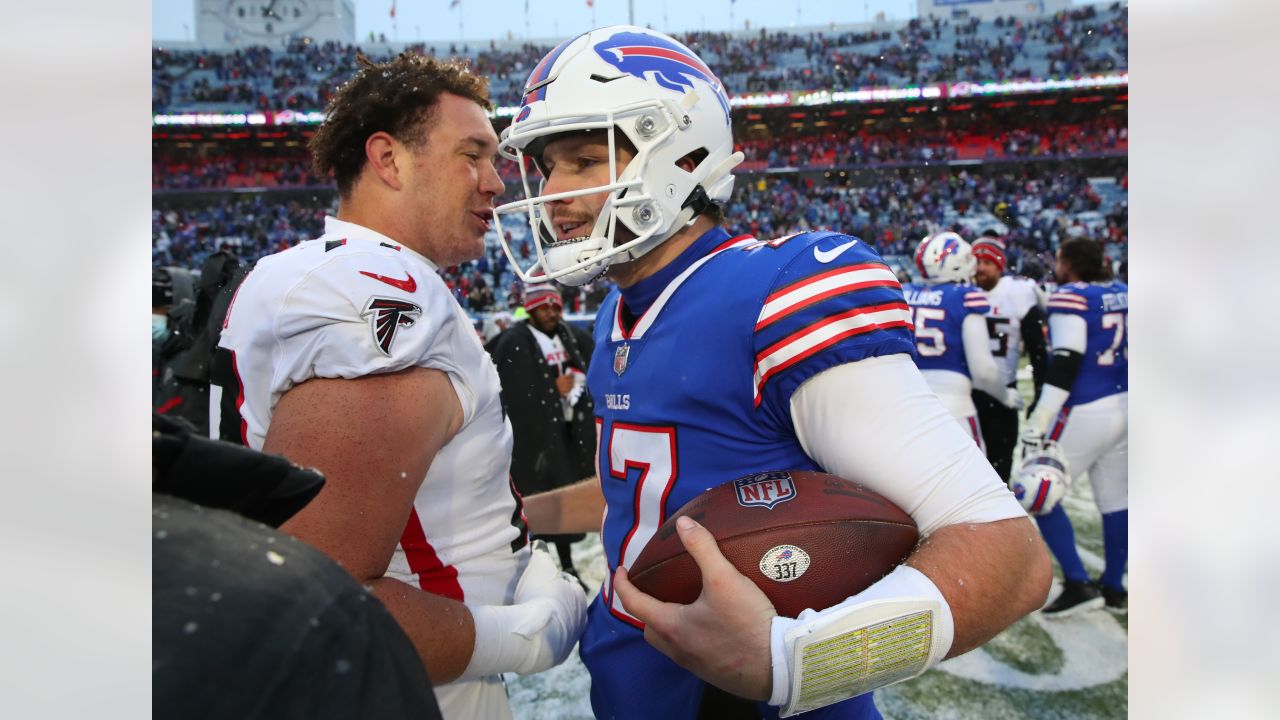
column 1066, row 332
column 977, row 354
column 876, row 422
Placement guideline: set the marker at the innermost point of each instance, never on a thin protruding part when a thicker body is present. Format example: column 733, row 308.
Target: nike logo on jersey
column 408, row 284
column 826, row 256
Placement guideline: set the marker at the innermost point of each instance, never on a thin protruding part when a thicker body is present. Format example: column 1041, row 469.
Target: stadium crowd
column 836, row 148
column 231, row 171
column 924, row 51
column 184, row 234
column 1033, row 210
column 842, row 147
column 302, row 76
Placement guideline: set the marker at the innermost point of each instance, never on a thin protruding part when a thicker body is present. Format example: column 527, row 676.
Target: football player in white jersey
column 721, row 356
column 1016, row 324
column 347, row 353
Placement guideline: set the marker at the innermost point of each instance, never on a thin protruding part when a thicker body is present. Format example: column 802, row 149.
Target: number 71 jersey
column 1105, row 309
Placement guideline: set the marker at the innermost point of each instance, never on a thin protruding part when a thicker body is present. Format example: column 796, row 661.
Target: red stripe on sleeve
column 433, row 575
column 244, row 424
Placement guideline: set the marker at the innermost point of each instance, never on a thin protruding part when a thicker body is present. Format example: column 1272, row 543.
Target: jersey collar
column 703, row 249
column 335, row 229
column 640, row 296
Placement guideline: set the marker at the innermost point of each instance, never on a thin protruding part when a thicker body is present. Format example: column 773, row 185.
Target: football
column 807, row 539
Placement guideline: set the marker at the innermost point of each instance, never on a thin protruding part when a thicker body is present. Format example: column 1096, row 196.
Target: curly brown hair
column 397, row 97
column 1086, row 259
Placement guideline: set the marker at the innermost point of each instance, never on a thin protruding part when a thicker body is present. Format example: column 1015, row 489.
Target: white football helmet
column 1042, row 479
column 945, row 257
column 665, row 101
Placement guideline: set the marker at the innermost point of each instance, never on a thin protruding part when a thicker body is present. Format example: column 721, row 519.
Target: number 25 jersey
column 939, row 312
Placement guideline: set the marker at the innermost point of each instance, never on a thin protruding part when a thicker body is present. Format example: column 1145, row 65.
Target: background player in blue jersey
column 952, row 343
column 1084, row 407
column 722, row 356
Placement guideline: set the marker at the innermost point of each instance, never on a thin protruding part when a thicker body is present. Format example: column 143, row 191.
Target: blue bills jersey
column 938, row 313
column 1105, row 309
column 696, row 392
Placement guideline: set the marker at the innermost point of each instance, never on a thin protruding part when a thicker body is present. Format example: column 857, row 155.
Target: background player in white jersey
column 952, row 348
column 1016, row 323
column 1084, row 407
column 347, row 353
column 722, row 356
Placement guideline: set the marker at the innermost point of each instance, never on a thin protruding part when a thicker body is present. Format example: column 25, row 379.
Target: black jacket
column 543, row 458
column 248, row 622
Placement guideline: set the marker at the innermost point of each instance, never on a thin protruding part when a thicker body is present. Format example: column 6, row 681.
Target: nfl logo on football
column 764, row 489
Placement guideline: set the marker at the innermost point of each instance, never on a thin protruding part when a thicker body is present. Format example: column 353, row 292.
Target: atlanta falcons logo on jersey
column 386, row 315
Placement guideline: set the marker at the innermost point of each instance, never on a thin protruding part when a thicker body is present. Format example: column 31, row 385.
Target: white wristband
column 536, row 632
column 508, row 640
column 892, row 631
column 1052, row 398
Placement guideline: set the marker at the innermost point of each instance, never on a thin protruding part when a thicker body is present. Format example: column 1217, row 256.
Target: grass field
column 1075, row 667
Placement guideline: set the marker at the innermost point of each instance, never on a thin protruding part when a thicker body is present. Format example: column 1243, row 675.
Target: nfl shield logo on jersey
column 765, row 490
column 620, row 358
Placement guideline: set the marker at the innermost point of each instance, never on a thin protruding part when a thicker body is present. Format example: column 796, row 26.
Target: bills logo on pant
column 765, row 490
column 671, row 66
column 386, row 315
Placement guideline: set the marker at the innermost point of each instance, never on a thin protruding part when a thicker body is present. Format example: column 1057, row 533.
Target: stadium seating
column 1089, row 39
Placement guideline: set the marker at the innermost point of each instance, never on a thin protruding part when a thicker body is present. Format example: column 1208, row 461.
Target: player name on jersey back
column 926, row 296
column 1114, row 301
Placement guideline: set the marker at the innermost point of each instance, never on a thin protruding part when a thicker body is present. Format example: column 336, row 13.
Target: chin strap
column 699, row 200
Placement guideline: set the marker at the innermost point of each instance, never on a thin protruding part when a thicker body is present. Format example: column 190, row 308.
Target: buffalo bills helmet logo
column 950, row 246
column 766, row 489
column 662, row 61
column 386, row 315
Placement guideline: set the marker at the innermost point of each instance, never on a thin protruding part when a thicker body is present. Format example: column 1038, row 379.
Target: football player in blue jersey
column 953, row 346
column 722, row 356
column 1084, row 407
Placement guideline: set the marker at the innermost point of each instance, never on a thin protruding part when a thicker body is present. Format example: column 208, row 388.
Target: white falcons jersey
column 1010, row 300
column 355, row 303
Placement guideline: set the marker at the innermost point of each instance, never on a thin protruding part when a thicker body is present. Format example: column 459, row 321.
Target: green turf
column 1027, row 647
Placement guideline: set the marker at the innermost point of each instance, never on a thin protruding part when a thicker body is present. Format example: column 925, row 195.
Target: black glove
column 262, row 487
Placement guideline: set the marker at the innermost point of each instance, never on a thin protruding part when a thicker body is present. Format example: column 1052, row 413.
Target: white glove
column 536, row 632
column 1031, row 440
column 1012, row 398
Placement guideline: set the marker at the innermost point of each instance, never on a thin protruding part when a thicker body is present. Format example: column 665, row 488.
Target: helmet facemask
column 649, row 200
column 577, row 261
